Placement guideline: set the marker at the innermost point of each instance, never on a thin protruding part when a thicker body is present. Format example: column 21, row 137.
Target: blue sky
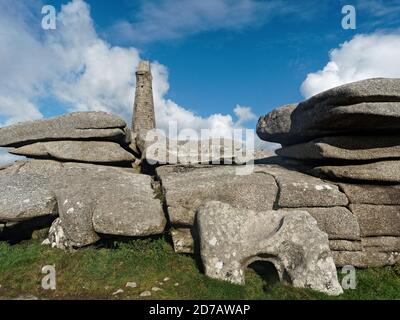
column 262, row 64
column 216, row 63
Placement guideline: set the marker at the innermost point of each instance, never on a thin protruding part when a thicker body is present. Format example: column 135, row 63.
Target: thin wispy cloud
column 161, row 20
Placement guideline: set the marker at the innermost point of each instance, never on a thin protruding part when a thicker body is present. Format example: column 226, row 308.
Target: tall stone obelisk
column 143, row 109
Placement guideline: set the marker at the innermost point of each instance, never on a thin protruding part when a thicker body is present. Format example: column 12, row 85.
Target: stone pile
column 81, row 178
column 330, row 197
column 349, row 136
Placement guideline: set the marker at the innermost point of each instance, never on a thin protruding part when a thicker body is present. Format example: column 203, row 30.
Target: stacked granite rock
column 79, row 177
column 349, row 136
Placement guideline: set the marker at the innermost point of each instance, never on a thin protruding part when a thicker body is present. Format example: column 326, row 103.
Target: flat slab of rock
column 77, row 125
column 82, row 151
column 231, row 239
column 345, row 245
column 377, row 220
column 159, row 150
column 345, row 148
column 183, row 240
column 132, row 211
column 187, row 187
column 276, row 126
column 338, row 222
column 297, row 190
column 381, row 244
column 75, row 208
column 365, row 259
column 89, row 198
column 351, row 108
column 25, row 193
column 372, row 194
column 369, row 90
column 383, row 171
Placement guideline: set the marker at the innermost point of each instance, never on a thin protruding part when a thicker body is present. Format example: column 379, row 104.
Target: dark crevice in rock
column 267, row 271
column 16, row 232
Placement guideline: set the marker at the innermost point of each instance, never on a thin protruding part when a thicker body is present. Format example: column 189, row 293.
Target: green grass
column 95, row 273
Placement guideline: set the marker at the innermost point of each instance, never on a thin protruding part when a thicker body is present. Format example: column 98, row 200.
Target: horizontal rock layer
column 352, row 108
column 376, row 172
column 354, row 148
column 89, row 198
column 77, row 125
column 187, row 187
column 81, row 151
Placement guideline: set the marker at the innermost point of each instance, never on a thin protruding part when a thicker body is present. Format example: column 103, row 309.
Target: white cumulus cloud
column 363, row 57
column 76, row 67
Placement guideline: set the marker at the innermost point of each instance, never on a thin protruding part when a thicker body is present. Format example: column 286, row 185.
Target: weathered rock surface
column 337, row 222
column 383, row 171
column 77, row 125
column 345, row 148
column 347, row 119
column 276, row 126
column 157, row 149
column 377, row 220
column 369, row 90
column 75, row 208
column 187, row 187
column 351, row 108
column 372, row 194
column 231, row 239
column 381, row 244
column 57, row 237
column 25, row 193
column 183, row 240
column 345, row 245
column 365, row 259
column 297, row 190
column 82, row 151
column 132, row 211
column 90, row 198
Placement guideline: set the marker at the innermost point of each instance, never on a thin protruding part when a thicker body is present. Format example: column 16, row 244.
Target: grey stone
column 365, row 259
column 25, row 193
column 351, row 108
column 276, row 126
column 377, row 220
column 183, row 240
column 131, row 285
column 105, row 199
column 187, row 187
column 133, row 211
column 298, row 190
column 77, row 125
column 345, row 148
column 82, row 151
column 369, row 90
column 75, row 207
column 383, row 171
column 338, row 222
column 347, row 119
column 372, row 194
column 57, row 237
column 157, row 149
column 381, row 244
column 143, row 113
column 145, row 294
column 345, row 245
column 231, row 239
